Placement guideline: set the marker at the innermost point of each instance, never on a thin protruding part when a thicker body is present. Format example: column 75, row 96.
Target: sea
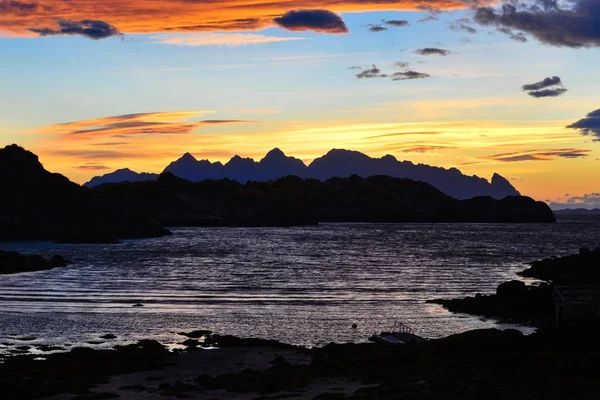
column 300, row 285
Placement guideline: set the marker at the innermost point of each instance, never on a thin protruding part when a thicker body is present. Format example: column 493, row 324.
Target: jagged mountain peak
column 341, row 163
column 275, row 153
column 187, row 157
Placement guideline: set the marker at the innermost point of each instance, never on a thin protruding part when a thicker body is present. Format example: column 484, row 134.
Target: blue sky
column 301, row 95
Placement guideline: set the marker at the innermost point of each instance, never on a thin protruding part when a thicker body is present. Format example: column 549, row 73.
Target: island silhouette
column 337, row 163
column 37, row 204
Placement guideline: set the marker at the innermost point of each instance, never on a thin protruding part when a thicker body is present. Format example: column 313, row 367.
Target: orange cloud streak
column 148, row 124
column 144, row 16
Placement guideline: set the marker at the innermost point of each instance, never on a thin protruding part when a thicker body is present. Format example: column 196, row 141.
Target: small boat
column 400, row 334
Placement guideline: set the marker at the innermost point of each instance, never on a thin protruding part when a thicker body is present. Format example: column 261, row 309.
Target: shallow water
column 303, row 285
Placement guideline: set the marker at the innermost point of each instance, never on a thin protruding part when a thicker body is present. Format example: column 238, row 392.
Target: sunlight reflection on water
column 302, row 285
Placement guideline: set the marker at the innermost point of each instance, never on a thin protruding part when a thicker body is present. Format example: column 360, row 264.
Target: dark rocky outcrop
column 513, row 302
column 294, row 201
column 582, row 268
column 533, row 304
column 12, row 262
column 39, row 205
column 22, row 377
column 337, row 163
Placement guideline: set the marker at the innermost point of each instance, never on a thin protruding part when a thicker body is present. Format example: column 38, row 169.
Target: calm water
column 298, row 285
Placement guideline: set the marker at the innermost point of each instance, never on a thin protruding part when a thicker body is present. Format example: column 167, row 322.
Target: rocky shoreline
column 11, row 262
column 533, row 304
column 487, row 364
column 492, row 364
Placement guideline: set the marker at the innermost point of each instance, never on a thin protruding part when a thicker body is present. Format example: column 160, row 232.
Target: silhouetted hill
column 293, row 201
column 121, row 175
column 341, row 164
column 37, row 204
column 577, row 212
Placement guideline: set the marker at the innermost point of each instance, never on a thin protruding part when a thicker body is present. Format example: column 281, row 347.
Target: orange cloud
column 143, row 16
column 148, row 124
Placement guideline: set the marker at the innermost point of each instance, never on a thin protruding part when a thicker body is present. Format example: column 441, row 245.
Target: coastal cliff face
column 37, row 205
column 337, row 163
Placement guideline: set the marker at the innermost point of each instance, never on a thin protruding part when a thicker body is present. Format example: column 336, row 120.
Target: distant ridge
column 121, row 175
column 336, row 163
column 580, row 210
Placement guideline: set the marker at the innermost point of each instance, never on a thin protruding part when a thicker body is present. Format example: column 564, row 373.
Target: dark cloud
column 225, row 25
column 462, row 25
column 539, row 155
column 377, row 28
column 548, row 92
column 429, row 51
column 555, row 80
column 518, row 37
column 433, row 13
column 17, row 8
column 92, row 167
column 425, row 148
column 397, row 22
column 576, row 26
column 408, row 75
column 224, row 121
column 430, row 17
column 371, row 73
column 312, row 20
column 589, row 126
column 91, row 154
column 549, row 87
column 89, row 28
column 587, row 200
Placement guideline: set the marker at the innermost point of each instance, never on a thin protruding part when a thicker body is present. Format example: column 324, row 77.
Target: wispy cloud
column 219, row 39
column 142, row 124
column 539, row 155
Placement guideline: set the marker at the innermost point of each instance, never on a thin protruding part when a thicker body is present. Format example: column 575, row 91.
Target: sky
column 492, row 87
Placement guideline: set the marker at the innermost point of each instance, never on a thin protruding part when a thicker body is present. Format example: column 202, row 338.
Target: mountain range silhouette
column 336, row 163
column 39, row 205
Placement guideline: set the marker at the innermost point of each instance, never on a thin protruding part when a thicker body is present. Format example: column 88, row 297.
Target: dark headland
column 39, row 205
column 12, row 262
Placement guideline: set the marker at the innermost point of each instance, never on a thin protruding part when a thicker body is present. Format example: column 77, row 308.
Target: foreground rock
column 582, row 268
column 39, row 205
column 485, row 364
column 533, row 304
column 513, row 302
column 12, row 262
column 22, row 377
